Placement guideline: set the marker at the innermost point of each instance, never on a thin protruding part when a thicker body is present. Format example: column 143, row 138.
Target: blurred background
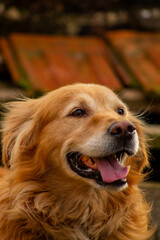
column 51, row 43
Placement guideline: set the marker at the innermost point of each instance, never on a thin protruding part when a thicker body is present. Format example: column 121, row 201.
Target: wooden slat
column 33, row 61
column 17, row 72
column 118, row 67
column 135, row 50
column 9, row 58
column 103, row 72
column 53, row 61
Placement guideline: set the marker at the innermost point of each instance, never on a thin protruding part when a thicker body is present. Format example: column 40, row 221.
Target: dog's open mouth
column 105, row 170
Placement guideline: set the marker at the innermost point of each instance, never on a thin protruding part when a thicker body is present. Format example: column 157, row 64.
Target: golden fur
column 41, row 197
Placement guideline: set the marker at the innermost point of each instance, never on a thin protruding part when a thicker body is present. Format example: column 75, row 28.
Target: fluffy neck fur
column 80, row 212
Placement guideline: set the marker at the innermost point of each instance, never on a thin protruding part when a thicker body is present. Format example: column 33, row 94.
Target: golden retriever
column 74, row 159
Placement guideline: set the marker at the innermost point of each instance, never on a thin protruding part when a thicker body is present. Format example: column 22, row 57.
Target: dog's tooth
column 90, row 161
column 94, row 165
column 125, row 156
column 115, row 156
column 93, row 161
column 85, row 159
column 123, row 160
column 124, row 179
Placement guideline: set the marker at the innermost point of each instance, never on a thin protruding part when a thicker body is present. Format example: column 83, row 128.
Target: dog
column 73, row 160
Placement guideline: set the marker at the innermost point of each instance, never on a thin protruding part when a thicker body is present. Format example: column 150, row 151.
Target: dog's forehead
column 94, row 97
column 95, row 94
column 90, row 94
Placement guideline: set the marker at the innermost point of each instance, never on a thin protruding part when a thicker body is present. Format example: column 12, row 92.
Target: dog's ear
column 19, row 128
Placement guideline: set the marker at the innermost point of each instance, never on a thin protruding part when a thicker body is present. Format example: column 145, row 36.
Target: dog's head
column 82, row 132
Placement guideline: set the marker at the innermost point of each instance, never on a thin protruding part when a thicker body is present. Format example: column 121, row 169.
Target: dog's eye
column 78, row 113
column 120, row 111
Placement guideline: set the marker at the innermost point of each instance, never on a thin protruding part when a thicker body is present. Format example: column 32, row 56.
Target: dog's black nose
column 121, row 129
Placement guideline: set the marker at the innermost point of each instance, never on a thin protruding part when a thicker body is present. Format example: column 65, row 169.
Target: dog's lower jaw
column 116, row 187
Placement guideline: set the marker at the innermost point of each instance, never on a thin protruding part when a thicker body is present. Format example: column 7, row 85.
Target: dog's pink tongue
column 111, row 170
